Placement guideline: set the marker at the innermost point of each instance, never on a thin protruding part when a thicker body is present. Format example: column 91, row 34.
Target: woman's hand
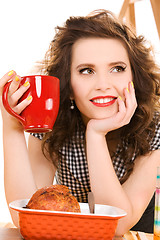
column 14, row 94
column 126, row 109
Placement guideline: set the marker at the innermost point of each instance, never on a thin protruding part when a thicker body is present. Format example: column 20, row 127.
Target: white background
column 27, row 27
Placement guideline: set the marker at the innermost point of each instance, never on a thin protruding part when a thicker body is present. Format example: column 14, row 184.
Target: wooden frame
column 128, row 12
column 155, row 8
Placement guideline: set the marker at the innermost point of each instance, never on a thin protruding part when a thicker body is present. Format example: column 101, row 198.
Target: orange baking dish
column 50, row 225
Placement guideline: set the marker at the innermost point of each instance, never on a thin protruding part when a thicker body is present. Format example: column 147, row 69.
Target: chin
column 99, row 115
column 106, row 114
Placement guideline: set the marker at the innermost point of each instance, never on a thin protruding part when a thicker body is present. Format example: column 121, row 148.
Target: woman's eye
column 86, row 71
column 118, row 69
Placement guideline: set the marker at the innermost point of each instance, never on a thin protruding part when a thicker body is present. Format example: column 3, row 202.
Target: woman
column 105, row 138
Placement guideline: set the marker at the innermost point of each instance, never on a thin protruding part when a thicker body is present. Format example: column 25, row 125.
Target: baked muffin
column 55, row 198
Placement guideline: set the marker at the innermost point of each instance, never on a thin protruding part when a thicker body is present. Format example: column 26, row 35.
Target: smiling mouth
column 103, row 101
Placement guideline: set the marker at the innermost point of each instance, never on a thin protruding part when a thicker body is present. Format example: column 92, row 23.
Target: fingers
column 7, row 77
column 15, row 96
column 22, row 105
column 131, row 102
column 128, row 106
column 15, row 92
column 10, row 76
column 15, row 84
column 122, row 111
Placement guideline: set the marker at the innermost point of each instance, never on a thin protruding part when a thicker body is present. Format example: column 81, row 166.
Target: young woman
column 106, row 137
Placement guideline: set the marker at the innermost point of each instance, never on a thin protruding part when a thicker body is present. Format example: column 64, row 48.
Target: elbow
column 125, row 224
column 15, row 218
column 15, row 222
column 120, row 231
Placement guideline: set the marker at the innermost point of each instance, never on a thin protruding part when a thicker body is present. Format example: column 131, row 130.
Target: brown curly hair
column 146, row 78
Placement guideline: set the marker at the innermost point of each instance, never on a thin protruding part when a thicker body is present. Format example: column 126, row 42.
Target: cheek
column 79, row 95
column 78, row 92
column 74, row 87
column 122, row 84
column 120, row 88
column 79, row 88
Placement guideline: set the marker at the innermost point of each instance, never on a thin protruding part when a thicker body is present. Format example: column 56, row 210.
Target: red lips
column 103, row 101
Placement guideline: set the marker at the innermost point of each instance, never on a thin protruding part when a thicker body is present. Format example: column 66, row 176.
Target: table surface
column 138, row 236
column 9, row 232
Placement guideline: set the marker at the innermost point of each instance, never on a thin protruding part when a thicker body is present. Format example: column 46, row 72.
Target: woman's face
column 100, row 70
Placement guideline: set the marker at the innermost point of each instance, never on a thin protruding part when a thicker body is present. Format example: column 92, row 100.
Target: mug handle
column 7, row 106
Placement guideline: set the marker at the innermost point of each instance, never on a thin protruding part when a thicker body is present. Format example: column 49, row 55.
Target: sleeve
column 155, row 142
column 38, row 135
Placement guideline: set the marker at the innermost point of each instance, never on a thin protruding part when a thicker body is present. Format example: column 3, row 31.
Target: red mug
column 40, row 115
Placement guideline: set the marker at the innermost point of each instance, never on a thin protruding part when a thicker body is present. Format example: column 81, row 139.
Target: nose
column 103, row 82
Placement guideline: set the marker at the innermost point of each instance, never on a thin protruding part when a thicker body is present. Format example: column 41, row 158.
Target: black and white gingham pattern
column 38, row 135
column 154, row 144
column 73, row 168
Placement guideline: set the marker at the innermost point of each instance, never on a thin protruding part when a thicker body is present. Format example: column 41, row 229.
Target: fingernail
column 132, row 84
column 120, row 97
column 29, row 98
column 26, row 84
column 10, row 73
column 127, row 89
column 17, row 78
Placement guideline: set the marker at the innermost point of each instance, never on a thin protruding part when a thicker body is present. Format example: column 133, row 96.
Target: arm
column 21, row 178
column 43, row 170
column 134, row 195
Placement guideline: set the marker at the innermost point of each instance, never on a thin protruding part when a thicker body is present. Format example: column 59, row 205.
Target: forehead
column 96, row 49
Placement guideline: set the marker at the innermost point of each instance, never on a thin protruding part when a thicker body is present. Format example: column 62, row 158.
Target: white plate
column 100, row 210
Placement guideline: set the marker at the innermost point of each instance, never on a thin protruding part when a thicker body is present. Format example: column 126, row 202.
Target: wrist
column 92, row 129
column 94, row 135
column 11, row 123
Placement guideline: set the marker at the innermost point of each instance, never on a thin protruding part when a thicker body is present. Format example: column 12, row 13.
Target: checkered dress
column 73, row 168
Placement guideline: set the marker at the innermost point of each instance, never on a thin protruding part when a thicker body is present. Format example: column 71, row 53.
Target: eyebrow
column 117, row 63
column 85, row 65
column 92, row 65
